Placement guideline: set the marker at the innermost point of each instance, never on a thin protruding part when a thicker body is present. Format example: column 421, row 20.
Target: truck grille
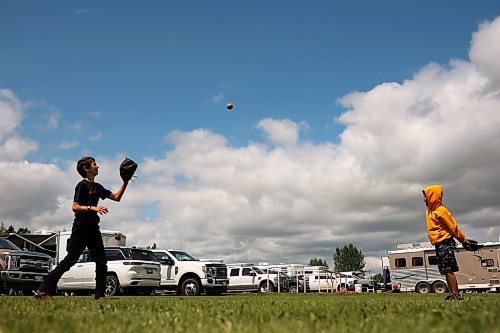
column 218, row 271
column 33, row 264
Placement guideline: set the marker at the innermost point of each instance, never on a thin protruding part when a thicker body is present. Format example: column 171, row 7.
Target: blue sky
column 343, row 112
column 149, row 68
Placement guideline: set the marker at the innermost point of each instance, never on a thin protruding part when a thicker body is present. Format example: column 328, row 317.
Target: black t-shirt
column 88, row 194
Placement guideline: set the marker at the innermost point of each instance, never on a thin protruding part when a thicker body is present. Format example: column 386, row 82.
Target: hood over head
column 434, row 195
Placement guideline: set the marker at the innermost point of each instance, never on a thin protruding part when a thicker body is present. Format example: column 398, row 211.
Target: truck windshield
column 6, row 244
column 182, row 256
column 258, row 270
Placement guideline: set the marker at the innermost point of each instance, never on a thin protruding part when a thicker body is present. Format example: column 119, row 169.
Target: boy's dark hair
column 84, row 162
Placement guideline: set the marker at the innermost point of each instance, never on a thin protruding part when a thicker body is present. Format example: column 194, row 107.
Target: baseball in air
column 229, row 106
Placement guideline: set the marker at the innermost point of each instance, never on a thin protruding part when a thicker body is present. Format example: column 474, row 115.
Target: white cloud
column 96, row 137
column 280, row 132
column 287, row 200
column 217, row 98
column 10, row 111
column 15, row 149
column 66, row 145
column 12, row 146
column 78, row 126
column 485, row 50
column 95, row 114
column 52, row 119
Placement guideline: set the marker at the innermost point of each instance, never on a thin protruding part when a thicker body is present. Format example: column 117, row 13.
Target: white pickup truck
column 248, row 277
column 189, row 276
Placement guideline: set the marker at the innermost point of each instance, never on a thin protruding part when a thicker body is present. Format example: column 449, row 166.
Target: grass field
column 393, row 313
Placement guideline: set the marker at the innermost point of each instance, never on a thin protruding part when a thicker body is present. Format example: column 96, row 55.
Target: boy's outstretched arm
column 117, row 196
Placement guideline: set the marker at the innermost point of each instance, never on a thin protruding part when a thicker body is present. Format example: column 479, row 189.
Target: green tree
column 23, row 231
column 348, row 258
column 2, row 229
column 11, row 229
column 318, row 262
column 378, row 278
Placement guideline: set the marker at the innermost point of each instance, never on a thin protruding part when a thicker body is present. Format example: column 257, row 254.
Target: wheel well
column 117, row 279
column 423, row 283
column 189, row 276
column 271, row 283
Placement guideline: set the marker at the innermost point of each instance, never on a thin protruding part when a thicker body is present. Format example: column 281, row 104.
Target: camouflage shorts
column 445, row 252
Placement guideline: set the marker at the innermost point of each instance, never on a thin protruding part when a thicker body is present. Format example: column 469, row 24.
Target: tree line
column 11, row 229
column 346, row 258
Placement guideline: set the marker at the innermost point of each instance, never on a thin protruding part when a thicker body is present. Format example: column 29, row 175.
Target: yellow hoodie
column 440, row 222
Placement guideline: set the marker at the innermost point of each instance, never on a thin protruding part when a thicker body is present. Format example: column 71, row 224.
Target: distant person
column 442, row 229
column 85, row 231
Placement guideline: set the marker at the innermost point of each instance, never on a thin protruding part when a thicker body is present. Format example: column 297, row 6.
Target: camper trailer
column 55, row 243
column 414, row 267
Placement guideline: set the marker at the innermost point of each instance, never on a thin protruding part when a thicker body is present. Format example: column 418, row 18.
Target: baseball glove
column 471, row 245
column 127, row 169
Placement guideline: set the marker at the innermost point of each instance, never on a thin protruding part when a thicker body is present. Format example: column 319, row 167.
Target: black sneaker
column 42, row 295
column 454, row 297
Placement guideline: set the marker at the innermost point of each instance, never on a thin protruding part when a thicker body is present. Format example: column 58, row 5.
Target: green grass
column 254, row 313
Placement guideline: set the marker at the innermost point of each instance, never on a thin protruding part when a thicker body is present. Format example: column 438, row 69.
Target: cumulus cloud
column 15, row 149
column 283, row 199
column 11, row 111
column 280, row 132
column 485, row 49
column 12, row 146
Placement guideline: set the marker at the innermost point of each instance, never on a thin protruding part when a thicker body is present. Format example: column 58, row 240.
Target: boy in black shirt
column 85, row 231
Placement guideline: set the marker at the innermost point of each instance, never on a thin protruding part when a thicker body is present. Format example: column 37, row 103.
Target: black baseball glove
column 471, row 245
column 127, row 169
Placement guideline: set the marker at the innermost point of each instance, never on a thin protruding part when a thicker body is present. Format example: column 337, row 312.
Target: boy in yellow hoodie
column 442, row 229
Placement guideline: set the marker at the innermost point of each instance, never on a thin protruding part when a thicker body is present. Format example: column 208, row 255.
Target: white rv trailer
column 57, row 241
column 413, row 267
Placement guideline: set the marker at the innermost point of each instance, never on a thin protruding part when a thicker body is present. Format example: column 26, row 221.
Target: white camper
column 413, row 267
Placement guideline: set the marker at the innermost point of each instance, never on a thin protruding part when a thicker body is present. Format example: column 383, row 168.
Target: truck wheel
column 2, row 288
column 112, row 286
column 423, row 288
column 439, row 287
column 190, row 287
column 292, row 289
column 263, row 287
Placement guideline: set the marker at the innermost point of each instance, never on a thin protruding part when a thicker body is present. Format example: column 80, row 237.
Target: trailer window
column 400, row 262
column 417, row 261
column 433, row 260
column 235, row 272
column 487, row 263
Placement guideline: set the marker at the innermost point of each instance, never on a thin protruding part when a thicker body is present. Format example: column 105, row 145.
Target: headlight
column 14, row 262
column 207, row 271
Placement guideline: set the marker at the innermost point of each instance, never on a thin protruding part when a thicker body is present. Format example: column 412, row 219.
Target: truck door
column 249, row 278
column 167, row 276
column 234, row 278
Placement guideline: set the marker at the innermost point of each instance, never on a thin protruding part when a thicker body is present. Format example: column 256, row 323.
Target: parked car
column 130, row 270
column 21, row 271
column 188, row 276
